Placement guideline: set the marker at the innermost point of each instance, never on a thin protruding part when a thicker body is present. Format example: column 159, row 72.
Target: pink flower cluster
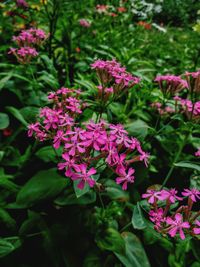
column 191, row 109
column 22, row 4
column 179, row 105
column 197, row 153
column 163, row 110
column 111, row 72
column 193, row 79
column 171, row 83
column 26, row 41
column 168, row 221
column 85, row 145
column 84, row 23
column 102, row 9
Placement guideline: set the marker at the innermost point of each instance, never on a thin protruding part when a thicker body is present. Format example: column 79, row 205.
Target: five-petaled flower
column 177, row 225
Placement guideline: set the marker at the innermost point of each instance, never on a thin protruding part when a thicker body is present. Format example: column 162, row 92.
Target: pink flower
column 193, row 194
column 125, row 178
column 197, row 229
column 75, row 147
column 111, row 70
column 102, row 8
column 171, row 195
column 153, row 195
column 33, row 128
column 69, row 164
column 84, row 23
column 171, row 83
column 197, row 153
column 156, row 216
column 22, row 3
column 117, row 129
column 84, row 176
column 58, row 138
column 73, row 104
column 177, row 225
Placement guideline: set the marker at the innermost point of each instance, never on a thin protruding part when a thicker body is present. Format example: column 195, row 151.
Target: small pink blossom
column 193, row 194
column 125, row 177
column 197, row 153
column 177, row 225
column 171, row 195
column 154, row 195
column 84, row 176
column 84, row 23
column 197, row 229
column 157, row 216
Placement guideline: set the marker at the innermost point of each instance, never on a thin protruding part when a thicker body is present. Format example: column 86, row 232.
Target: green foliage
column 45, row 219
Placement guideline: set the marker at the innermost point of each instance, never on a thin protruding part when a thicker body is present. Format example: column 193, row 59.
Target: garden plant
column 99, row 133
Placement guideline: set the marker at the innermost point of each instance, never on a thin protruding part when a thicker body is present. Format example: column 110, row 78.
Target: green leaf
column 138, row 220
column 29, row 113
column 92, row 260
column 81, row 192
column 68, row 197
column 7, row 219
column 138, row 128
column 8, row 245
column 114, row 191
column 6, row 183
column 134, row 255
column 27, row 226
column 188, row 164
column 4, row 121
column 42, row 186
column 111, row 240
column 16, row 113
column 47, row 154
column 4, row 80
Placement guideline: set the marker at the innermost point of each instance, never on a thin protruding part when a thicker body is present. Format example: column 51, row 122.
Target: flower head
column 125, row 177
column 84, row 176
column 177, row 225
column 193, row 194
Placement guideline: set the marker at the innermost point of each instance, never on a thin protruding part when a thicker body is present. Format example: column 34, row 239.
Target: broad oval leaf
column 138, row 220
column 134, row 255
column 111, row 240
column 4, row 121
column 188, row 164
column 8, row 245
column 44, row 185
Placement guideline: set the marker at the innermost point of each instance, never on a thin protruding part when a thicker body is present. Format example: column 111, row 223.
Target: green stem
column 126, row 226
column 175, row 160
column 101, row 201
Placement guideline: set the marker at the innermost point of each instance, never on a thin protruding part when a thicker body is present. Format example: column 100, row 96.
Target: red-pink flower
column 177, row 225
column 197, row 229
column 84, row 176
column 58, row 138
column 84, row 23
column 153, row 195
column 197, row 153
column 69, row 165
column 125, row 177
column 157, row 216
column 171, row 195
column 193, row 194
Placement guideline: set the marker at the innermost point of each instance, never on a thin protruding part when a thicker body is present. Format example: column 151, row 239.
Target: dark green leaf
column 8, row 245
column 187, row 164
column 138, row 220
column 16, row 113
column 134, row 255
column 4, row 121
column 111, row 240
column 44, row 185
